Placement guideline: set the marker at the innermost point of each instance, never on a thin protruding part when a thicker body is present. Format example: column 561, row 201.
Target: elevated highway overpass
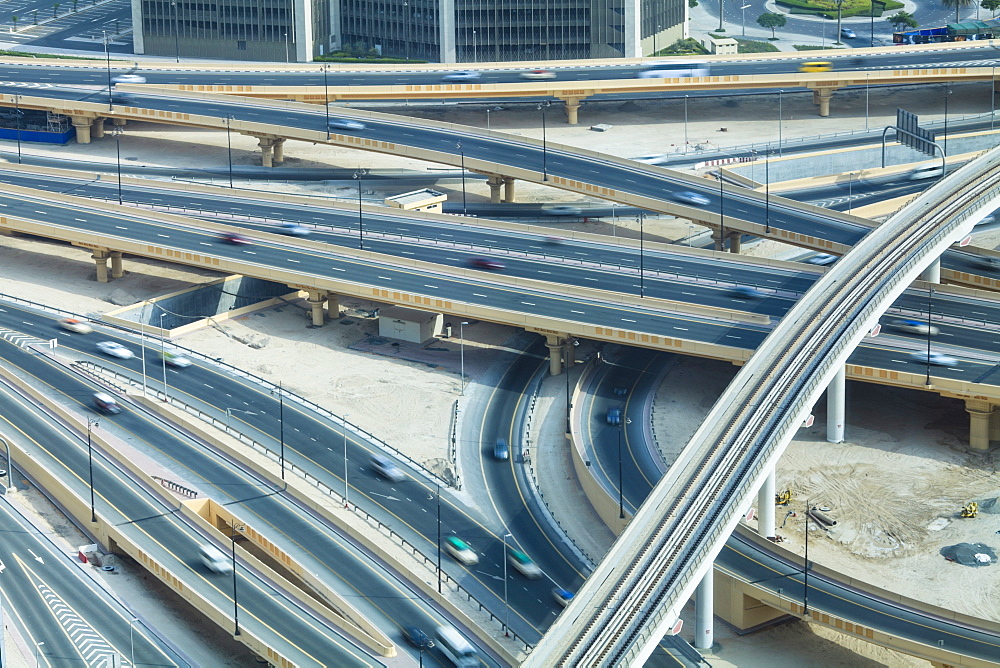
column 676, row 535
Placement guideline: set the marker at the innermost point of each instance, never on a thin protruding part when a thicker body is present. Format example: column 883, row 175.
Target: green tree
column 901, row 20
column 13, row 19
column 958, row 5
column 692, row 3
column 991, row 6
column 771, row 21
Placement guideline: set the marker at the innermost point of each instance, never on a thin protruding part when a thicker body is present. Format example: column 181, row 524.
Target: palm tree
column 958, row 5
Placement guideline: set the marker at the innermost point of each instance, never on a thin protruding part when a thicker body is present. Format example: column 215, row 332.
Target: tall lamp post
column 17, row 112
column 107, row 57
column 506, row 604
column 177, row 44
column 281, row 427
column 780, row 91
column 237, row 528
column 461, row 347
column 947, row 95
column 439, row 535
column 930, row 300
column 163, row 355
column 229, row 147
column 359, row 175
column 406, row 24
column 621, row 488
column 343, row 427
column 642, row 256
column 686, row 123
column 326, row 96
column 465, row 206
column 744, row 10
column 117, row 132
column 286, row 47
column 722, row 215
column 542, row 106
column 91, row 424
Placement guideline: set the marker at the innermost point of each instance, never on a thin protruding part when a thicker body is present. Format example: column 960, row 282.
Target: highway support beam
column 932, row 274
column 97, row 128
column 100, row 257
column 555, row 343
column 268, row 153
column 835, row 407
column 734, row 241
column 317, row 299
column 572, row 109
column 765, row 507
column 704, row 605
column 508, row 189
column 495, row 182
column 718, row 239
column 981, row 415
column 279, row 150
column 82, row 125
column 116, row 264
column 821, row 97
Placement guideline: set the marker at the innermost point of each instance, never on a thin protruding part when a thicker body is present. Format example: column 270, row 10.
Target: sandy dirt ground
column 344, row 374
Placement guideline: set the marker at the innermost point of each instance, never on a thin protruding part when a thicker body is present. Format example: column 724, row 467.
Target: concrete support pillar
column 116, row 264
column 97, row 128
column 333, row 306
column 317, row 298
column 82, row 126
column 495, row 182
column 119, row 122
column 101, row 258
column 555, row 345
column 266, row 151
column 279, row 150
column 979, row 423
column 704, row 632
column 720, row 244
column 572, row 110
column 765, row 507
column 836, row 393
column 824, row 95
column 508, row 189
column 735, row 236
column 932, row 274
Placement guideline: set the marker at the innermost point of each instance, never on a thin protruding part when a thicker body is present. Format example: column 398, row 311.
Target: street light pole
column 461, row 347
column 229, row 147
column 744, row 10
column 642, row 257
column 722, row 216
column 281, row 428
column 930, row 299
column 117, row 132
column 506, row 604
column 142, row 343
column 343, row 426
column 621, row 492
column 767, row 193
column 359, row 175
column 91, row 424
column 840, row 4
column 779, row 120
column 686, row 123
column 542, row 106
column 439, row 535
column 465, row 205
column 326, row 97
column 286, row 47
column 236, row 605
column 406, row 24
column 163, row 356
column 17, row 111
column 177, row 44
column 947, row 95
column 107, row 57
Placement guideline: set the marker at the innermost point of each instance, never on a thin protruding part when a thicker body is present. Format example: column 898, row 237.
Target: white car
column 75, row 325
column 294, row 230
column 460, row 551
column 345, row 124
column 935, row 359
column 176, row 359
column 462, row 76
column 115, row 349
column 538, row 75
column 821, row 259
column 129, row 78
column 688, row 197
column 659, row 159
column 914, row 327
column 524, row 564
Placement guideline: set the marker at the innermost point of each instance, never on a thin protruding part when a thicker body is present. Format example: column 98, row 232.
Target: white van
column 454, row 646
column 214, row 560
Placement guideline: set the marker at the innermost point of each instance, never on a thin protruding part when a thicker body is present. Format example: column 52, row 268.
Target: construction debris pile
column 970, row 554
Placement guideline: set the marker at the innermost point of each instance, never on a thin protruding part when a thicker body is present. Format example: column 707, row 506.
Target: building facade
column 448, row 31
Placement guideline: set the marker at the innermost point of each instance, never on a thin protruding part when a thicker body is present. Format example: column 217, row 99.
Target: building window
column 241, row 45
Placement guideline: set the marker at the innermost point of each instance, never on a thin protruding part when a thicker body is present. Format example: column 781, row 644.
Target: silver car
column 115, row 349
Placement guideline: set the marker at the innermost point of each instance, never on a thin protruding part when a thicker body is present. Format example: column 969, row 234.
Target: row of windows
column 215, row 29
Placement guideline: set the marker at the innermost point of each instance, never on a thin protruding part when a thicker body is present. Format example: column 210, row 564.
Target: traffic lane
column 163, row 535
column 969, row 370
column 234, row 487
column 974, row 338
column 750, row 563
column 35, row 571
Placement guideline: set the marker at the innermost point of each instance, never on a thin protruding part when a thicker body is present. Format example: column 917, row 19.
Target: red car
column 486, row 263
column 235, row 239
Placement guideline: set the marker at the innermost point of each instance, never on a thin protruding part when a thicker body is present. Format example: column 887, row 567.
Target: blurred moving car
column 119, row 97
column 294, row 230
column 659, row 159
column 816, row 66
column 174, row 358
column 115, row 349
column 847, row 33
column 614, row 416
column 345, row 124
column 934, row 359
column 106, row 403
column 214, row 560
column 555, row 241
column 75, row 325
column 416, row 637
column 460, row 551
column 746, row 292
column 688, row 197
column 991, row 263
column 925, row 172
column 467, row 75
column 235, row 239
column 520, row 561
column 538, row 75
column 501, row 452
column 561, row 210
column 914, row 327
column 129, row 78
column 486, row 263
column 385, row 468
column 821, row 259
column 562, row 596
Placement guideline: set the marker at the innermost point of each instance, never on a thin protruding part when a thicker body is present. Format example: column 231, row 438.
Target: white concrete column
column 932, row 274
column 835, row 401
column 765, row 507
column 704, row 632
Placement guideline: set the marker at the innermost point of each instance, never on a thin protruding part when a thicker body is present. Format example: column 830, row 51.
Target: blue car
column 614, row 416
column 746, row 292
